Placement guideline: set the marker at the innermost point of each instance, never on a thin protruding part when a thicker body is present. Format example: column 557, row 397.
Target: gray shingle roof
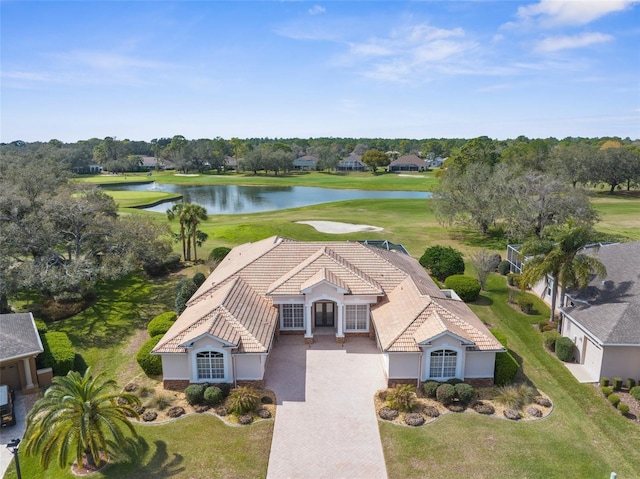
column 610, row 308
column 18, row 336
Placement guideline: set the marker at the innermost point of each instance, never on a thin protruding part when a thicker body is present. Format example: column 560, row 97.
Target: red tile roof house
column 280, row 286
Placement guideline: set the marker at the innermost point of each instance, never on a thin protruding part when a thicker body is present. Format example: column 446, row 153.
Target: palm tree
column 194, row 214
column 177, row 211
column 79, row 414
column 563, row 259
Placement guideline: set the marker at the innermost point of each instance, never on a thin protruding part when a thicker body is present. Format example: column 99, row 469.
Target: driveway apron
column 326, row 424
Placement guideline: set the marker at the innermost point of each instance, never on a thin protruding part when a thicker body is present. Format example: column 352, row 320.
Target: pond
column 232, row 199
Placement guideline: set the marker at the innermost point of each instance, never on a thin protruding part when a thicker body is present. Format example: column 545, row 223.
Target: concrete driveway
column 8, row 433
column 326, row 425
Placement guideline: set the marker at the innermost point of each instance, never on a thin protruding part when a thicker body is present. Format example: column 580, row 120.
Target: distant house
column 436, row 162
column 148, row 163
column 19, row 345
column 353, row 162
column 407, row 163
column 305, row 163
column 230, row 163
column 603, row 319
column 88, row 169
column 278, row 286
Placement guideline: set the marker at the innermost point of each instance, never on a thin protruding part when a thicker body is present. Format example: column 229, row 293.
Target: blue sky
column 391, row 69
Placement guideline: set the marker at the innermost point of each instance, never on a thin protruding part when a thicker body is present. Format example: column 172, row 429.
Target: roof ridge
column 295, row 270
column 353, row 268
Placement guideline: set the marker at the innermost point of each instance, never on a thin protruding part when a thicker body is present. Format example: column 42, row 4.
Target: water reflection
column 233, row 199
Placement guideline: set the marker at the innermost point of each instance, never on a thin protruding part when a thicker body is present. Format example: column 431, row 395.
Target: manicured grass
column 619, row 215
column 583, row 437
column 128, row 199
column 362, row 181
column 194, row 447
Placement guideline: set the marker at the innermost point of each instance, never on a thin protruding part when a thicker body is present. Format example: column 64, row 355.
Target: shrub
column 199, row 279
column 513, row 279
column 564, row 349
column 506, row 369
column 225, row 388
column 245, row 419
column 218, row 254
column 242, row 400
column 525, row 304
column 387, row 413
column 613, row 399
column 446, row 393
column 41, row 326
column 606, row 390
column 431, row 411
column 442, row 261
column 515, row 396
column 454, row 381
column 549, row 339
column 623, row 408
column 161, row 323
column 465, row 392
column 58, row 352
column 484, row 408
column 413, row 419
column 213, row 396
column 504, row 267
column 402, row 397
column 617, row 383
column 194, row 394
column 157, row 267
column 631, row 383
column 151, row 364
column 429, row 388
column 184, row 291
column 604, row 381
column 466, row 287
column 550, row 326
column 635, row 393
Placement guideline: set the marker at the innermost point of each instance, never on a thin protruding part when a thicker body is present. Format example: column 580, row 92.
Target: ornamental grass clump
column 242, row 400
column 402, row 397
column 516, row 396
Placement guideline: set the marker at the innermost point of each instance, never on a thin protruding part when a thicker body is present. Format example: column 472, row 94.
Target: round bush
column 199, row 279
column 218, row 254
column 564, row 349
column 430, row 387
column 442, row 261
column 635, row 393
column 606, row 390
column 213, row 396
column 431, row 411
column 413, row 419
column 466, row 287
column 623, row 408
column 549, row 338
column 194, row 394
column 484, row 408
column 245, row 419
column 614, row 399
column 264, row 413
column 465, row 392
column 542, row 401
column 504, row 267
column 161, row 323
column 151, row 364
column 175, row 411
column 445, row 393
column 387, row 413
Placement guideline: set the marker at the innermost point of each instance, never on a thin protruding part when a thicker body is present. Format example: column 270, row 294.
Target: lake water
column 232, row 199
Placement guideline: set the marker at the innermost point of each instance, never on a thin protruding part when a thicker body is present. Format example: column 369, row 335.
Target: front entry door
column 324, row 314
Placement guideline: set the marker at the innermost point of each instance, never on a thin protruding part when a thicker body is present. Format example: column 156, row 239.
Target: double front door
column 324, row 314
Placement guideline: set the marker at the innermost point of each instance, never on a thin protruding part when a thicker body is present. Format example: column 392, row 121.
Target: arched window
column 210, row 365
column 443, row 364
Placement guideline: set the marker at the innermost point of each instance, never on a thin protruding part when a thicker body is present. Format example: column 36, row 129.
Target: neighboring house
column 230, row 163
column 352, row 162
column 280, row 286
column 88, row 169
column 407, row 163
column 19, row 345
column 603, row 320
column 305, row 163
column 436, row 162
column 149, row 162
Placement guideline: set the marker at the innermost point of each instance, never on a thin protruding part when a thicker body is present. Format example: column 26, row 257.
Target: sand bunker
column 333, row 227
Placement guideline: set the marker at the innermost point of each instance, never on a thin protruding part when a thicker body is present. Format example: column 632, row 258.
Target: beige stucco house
column 19, row 345
column 279, row 286
column 603, row 320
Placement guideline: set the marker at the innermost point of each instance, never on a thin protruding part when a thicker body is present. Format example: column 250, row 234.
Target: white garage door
column 592, row 357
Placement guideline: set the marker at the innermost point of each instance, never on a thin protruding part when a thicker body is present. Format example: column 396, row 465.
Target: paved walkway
column 326, row 425
column 8, row 433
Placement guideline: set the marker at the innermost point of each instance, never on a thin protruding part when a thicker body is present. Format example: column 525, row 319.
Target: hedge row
column 161, row 323
column 58, row 352
column 151, row 364
column 466, row 287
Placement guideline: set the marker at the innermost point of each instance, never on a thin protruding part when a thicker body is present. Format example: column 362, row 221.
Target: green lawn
column 583, row 437
column 128, row 199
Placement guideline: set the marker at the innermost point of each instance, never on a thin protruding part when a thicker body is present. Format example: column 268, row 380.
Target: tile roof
column 610, row 309
column 18, row 336
column 235, row 303
column 409, row 160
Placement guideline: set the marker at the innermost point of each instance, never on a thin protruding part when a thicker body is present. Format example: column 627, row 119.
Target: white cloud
column 316, row 10
column 555, row 13
column 108, row 61
column 553, row 44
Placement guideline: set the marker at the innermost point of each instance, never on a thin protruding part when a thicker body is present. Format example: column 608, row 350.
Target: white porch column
column 308, row 313
column 340, row 332
column 27, row 373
